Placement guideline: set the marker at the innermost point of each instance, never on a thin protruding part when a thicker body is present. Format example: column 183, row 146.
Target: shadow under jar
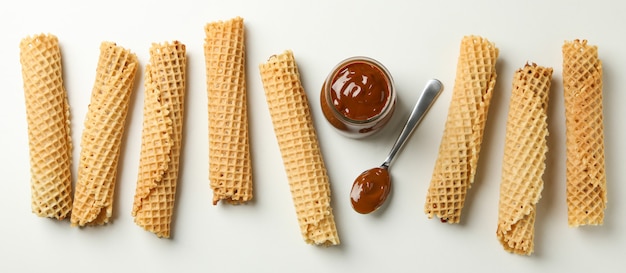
column 358, row 97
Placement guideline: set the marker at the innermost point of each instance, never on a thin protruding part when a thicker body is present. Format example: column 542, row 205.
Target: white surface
column 415, row 40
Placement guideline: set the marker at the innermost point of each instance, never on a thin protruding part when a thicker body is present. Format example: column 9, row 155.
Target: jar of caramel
column 358, row 97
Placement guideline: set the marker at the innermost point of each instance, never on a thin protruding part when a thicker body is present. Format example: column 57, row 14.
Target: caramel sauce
column 359, row 91
column 358, row 97
column 370, row 190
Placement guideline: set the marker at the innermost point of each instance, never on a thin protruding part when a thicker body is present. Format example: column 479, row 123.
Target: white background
column 415, row 40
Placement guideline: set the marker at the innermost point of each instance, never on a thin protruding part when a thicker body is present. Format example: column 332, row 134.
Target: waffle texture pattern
column 300, row 150
column 460, row 145
column 230, row 170
column 102, row 135
column 586, row 191
column 524, row 159
column 163, row 111
column 48, row 117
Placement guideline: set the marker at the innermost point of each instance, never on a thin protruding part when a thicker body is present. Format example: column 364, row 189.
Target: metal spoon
column 371, row 188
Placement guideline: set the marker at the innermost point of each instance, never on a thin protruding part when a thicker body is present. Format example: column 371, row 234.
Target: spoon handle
column 431, row 91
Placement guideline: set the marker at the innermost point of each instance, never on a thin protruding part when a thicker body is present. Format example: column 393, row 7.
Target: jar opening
column 359, row 90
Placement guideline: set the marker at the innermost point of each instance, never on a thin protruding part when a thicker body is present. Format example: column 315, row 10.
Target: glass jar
column 358, row 97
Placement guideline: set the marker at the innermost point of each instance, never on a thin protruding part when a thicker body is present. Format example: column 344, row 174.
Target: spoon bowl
column 371, row 188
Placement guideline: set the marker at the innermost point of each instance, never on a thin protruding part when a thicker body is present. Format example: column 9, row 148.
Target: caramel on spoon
column 371, row 188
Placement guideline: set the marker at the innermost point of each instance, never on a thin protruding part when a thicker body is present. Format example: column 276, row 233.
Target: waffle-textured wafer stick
column 302, row 158
column 48, row 117
column 523, row 165
column 584, row 134
column 230, row 172
column 161, row 137
column 455, row 167
column 102, row 135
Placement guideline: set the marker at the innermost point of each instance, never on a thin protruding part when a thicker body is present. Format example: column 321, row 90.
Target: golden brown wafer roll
column 456, row 163
column 164, row 99
column 48, row 116
column 297, row 139
column 584, row 134
column 102, row 135
column 230, row 172
column 523, row 165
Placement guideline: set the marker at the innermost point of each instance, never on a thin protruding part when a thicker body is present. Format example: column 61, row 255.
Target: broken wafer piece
column 525, row 149
column 102, row 135
column 161, row 138
column 300, row 150
column 230, row 172
column 457, row 160
column 48, row 117
column 584, row 134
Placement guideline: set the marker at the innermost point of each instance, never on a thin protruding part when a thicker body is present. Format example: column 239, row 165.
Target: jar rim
column 355, row 59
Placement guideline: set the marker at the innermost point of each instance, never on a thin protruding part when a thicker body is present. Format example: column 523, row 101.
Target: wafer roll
column 456, row 163
column 302, row 158
column 523, row 165
column 161, row 138
column 48, row 117
column 584, row 134
column 230, row 173
column 102, row 135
